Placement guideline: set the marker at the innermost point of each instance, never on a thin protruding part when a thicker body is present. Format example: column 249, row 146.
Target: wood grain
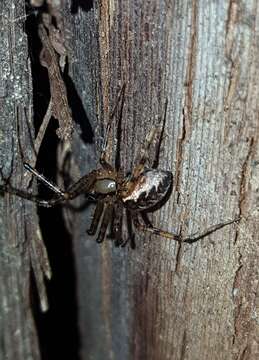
column 165, row 301
column 22, row 254
column 161, row 301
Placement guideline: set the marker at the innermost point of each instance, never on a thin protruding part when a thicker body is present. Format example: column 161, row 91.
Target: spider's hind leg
column 154, row 138
column 148, row 227
column 153, row 230
column 195, row 237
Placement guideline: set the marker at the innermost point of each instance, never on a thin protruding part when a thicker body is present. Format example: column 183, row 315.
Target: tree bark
column 165, row 300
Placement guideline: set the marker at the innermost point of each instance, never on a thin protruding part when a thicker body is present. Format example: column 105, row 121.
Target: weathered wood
column 165, row 301
column 161, row 301
column 22, row 254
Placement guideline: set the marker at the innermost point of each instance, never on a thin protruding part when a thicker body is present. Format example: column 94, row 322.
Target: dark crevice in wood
column 79, row 116
column 180, row 146
column 40, row 83
column 242, row 189
column 57, row 328
column 85, row 5
column 238, row 304
column 244, row 175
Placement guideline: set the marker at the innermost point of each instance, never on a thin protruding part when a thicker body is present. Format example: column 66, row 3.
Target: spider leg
column 45, row 181
column 154, row 134
column 83, row 185
column 103, row 157
column 32, row 197
column 195, row 237
column 153, row 230
column 96, row 218
column 105, row 222
column 117, row 224
column 159, row 139
column 146, row 219
column 131, row 236
column 154, row 137
column 189, row 239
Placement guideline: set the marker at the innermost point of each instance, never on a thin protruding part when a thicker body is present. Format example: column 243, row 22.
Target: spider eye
column 105, row 186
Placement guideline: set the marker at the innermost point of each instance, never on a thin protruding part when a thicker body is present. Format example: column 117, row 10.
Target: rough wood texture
column 22, row 254
column 161, row 301
column 165, row 301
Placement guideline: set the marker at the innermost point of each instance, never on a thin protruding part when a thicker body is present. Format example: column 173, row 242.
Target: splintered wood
column 59, row 104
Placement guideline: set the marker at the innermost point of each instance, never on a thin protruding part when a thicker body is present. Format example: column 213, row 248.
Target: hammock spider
column 137, row 194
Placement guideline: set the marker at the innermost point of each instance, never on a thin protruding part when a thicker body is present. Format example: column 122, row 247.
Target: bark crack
column 187, row 108
column 244, row 176
column 180, row 145
column 184, row 346
column 191, row 61
column 243, row 185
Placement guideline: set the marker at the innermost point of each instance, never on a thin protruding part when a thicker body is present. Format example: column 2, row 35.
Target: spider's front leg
column 154, row 137
column 103, row 158
column 84, row 185
column 7, row 188
column 144, row 153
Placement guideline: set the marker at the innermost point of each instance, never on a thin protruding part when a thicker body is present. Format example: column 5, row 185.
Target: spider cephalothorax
column 118, row 196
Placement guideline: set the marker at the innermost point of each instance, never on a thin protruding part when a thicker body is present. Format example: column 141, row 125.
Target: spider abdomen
column 148, row 190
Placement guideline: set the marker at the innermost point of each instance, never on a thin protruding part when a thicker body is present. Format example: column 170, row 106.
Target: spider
column 142, row 191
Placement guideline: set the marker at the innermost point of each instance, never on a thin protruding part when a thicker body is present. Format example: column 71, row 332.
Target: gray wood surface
column 22, row 253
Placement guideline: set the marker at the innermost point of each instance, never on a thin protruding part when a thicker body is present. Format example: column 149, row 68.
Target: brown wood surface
column 165, row 301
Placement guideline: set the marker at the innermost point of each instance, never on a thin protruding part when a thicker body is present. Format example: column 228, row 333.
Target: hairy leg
column 96, row 218
column 6, row 188
column 117, row 224
column 152, row 229
column 105, row 222
column 131, row 235
column 82, row 186
column 159, row 139
column 189, row 239
column 103, row 157
column 195, row 237
column 155, row 137
column 45, row 181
